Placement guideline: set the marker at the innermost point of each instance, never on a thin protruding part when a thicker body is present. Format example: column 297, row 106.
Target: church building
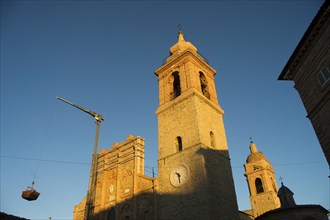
column 195, row 179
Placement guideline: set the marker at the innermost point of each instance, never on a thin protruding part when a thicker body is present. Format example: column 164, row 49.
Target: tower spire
column 181, row 46
column 181, row 37
column 253, row 147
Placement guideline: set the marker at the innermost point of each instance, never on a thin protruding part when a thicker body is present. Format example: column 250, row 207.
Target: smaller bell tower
column 261, row 180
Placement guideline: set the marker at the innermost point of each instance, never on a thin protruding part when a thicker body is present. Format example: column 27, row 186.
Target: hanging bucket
column 30, row 194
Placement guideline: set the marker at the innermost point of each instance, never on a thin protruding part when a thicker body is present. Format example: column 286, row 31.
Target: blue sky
column 102, row 55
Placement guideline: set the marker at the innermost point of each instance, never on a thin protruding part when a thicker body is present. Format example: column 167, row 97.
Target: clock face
column 179, row 175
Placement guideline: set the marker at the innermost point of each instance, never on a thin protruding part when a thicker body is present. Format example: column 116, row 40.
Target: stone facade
column 261, row 180
column 309, row 68
column 122, row 189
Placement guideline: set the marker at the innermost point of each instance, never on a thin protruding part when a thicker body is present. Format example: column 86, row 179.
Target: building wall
column 299, row 212
column 120, row 182
column 310, row 56
column 316, row 98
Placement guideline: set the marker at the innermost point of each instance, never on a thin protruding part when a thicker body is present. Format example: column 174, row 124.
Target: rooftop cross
column 179, row 27
column 281, row 178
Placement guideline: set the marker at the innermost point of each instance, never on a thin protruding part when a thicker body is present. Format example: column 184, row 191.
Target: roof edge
column 284, row 75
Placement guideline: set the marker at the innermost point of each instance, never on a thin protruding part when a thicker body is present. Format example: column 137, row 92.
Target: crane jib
column 95, row 115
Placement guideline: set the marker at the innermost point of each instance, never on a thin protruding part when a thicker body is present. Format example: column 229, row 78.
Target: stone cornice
column 171, row 62
column 184, row 96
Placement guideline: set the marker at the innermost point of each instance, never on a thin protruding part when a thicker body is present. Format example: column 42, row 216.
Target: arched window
column 179, row 144
column 204, row 87
column 259, row 186
column 212, row 138
column 176, row 85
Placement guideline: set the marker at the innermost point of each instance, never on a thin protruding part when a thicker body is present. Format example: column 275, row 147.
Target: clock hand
column 178, row 174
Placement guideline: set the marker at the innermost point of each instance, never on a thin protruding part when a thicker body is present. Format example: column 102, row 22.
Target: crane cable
column 44, row 143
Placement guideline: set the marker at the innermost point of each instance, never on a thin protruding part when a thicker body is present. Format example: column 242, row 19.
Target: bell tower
column 195, row 177
column 261, row 180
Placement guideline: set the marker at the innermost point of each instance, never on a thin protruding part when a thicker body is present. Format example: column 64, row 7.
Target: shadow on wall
column 137, row 207
column 212, row 197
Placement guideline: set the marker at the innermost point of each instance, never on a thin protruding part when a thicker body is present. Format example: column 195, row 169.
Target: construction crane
column 89, row 209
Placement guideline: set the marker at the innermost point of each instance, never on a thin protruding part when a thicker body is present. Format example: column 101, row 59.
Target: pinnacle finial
column 253, row 147
column 180, row 34
column 180, row 37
